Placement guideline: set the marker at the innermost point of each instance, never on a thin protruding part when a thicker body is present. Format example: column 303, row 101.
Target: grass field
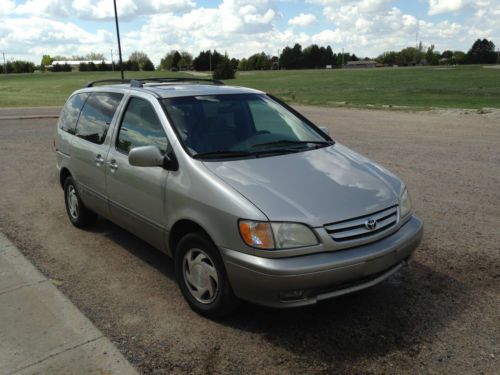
column 421, row 87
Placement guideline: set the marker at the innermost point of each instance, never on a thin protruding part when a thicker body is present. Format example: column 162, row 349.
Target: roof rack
column 139, row 82
column 92, row 83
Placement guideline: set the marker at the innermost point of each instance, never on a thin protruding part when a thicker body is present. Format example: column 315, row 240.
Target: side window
column 71, row 111
column 96, row 116
column 140, row 127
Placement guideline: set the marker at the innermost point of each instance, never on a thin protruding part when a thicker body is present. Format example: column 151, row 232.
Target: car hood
column 314, row 187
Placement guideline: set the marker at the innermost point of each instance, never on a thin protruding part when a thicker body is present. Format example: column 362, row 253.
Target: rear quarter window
column 96, row 116
column 71, row 111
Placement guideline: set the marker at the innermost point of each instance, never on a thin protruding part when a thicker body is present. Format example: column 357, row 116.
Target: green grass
column 421, row 87
column 52, row 89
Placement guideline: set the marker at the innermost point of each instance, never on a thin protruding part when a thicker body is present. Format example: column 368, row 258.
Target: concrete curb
column 36, row 117
column 41, row 331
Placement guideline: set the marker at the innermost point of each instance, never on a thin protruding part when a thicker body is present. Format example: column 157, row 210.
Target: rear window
column 71, row 111
column 96, row 116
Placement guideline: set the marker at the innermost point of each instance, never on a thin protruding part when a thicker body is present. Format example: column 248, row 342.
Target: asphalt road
column 440, row 315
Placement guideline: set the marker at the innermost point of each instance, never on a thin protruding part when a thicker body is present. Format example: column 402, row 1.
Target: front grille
column 356, row 228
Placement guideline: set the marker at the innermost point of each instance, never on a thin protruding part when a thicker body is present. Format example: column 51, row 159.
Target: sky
column 32, row 28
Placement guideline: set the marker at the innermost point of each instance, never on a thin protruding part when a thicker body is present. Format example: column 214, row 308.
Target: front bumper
column 320, row 276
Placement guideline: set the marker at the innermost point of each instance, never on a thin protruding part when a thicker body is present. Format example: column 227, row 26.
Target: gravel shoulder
column 440, row 315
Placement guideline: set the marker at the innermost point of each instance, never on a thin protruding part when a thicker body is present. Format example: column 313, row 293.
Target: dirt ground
column 439, row 315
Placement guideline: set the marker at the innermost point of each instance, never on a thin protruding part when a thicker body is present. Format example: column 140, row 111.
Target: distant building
column 361, row 64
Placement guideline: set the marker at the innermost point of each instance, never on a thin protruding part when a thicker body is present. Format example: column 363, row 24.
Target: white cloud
column 6, row 7
column 302, row 20
column 36, row 36
column 240, row 27
column 446, row 6
column 101, row 9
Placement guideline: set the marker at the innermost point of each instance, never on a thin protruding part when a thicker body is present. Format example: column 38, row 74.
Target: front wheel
column 202, row 278
column 79, row 215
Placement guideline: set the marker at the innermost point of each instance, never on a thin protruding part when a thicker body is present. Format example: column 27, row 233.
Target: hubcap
column 200, row 276
column 72, row 202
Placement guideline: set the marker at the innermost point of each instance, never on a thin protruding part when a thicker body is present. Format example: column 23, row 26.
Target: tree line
column 312, row 57
column 17, row 66
column 482, row 51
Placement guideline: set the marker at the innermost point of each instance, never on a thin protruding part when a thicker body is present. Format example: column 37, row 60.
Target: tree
column 235, row 63
column 328, row 56
column 482, row 52
column 175, row 60
column 148, row 65
column 166, row 62
column 66, row 68
column 224, row 69
column 93, row 56
column 285, row 58
column 139, row 58
column 459, row 57
column 102, row 67
column 46, row 60
column 258, row 61
column 431, row 56
column 186, row 60
column 206, row 60
column 388, row 58
column 20, row 66
column 243, row 64
column 82, row 67
column 291, row 58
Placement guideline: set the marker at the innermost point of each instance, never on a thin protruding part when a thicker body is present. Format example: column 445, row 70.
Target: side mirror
column 325, row 130
column 146, row 156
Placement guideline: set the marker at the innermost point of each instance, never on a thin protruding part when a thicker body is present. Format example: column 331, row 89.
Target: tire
column 79, row 215
column 202, row 278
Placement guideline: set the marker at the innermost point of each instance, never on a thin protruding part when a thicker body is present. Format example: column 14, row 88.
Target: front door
column 137, row 195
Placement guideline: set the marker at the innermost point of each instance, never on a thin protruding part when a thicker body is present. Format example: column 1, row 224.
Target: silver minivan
column 251, row 200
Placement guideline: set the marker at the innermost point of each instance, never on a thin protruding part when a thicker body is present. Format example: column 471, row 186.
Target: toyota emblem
column 371, row 224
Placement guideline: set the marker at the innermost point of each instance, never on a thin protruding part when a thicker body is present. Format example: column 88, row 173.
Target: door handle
column 99, row 160
column 112, row 165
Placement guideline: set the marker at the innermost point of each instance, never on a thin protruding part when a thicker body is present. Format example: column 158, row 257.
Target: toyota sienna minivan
column 251, row 199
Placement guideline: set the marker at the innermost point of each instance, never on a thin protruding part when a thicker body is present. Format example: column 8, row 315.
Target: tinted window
column 70, row 112
column 239, row 122
column 96, row 116
column 140, row 127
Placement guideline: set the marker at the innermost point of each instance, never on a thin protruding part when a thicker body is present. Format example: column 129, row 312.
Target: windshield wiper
column 291, row 142
column 237, row 154
column 223, row 154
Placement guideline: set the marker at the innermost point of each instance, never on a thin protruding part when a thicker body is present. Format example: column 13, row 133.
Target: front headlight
column 268, row 236
column 404, row 204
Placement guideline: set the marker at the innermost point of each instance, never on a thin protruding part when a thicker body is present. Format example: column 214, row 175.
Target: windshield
column 238, row 126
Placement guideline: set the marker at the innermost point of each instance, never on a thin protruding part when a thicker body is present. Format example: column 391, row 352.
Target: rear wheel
column 202, row 278
column 79, row 215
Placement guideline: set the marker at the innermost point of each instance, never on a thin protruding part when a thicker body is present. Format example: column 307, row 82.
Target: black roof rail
column 171, row 79
column 139, row 82
column 116, row 80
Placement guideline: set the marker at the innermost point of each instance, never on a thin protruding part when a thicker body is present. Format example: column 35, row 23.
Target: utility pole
column 279, row 53
column 210, row 60
column 119, row 44
column 4, row 63
column 112, row 61
column 498, row 56
column 342, row 58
